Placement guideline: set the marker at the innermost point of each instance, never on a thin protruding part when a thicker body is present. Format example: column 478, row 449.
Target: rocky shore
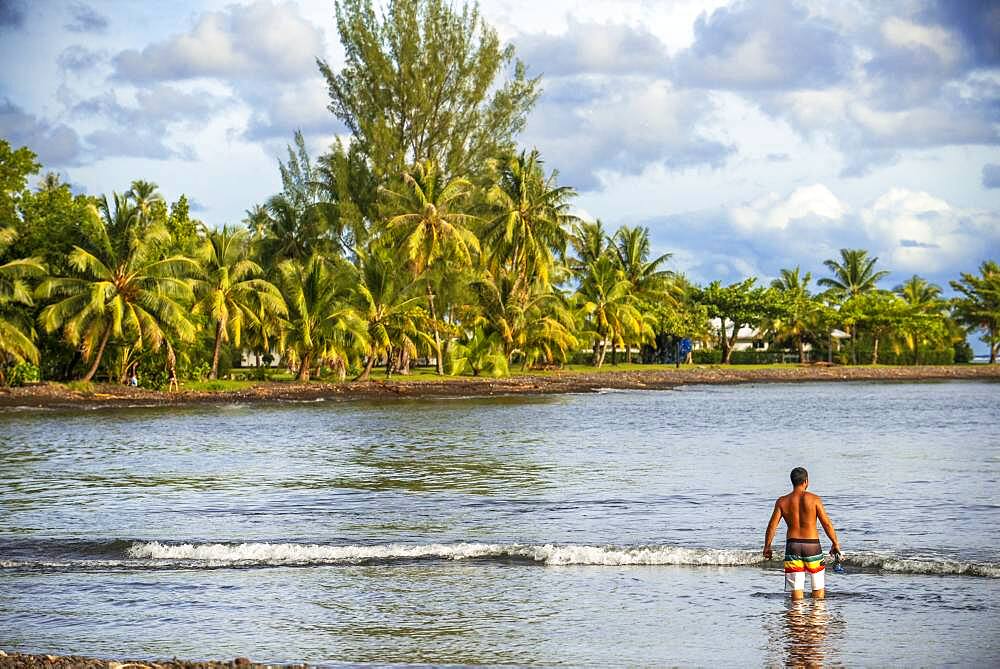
column 55, row 395
column 24, row 661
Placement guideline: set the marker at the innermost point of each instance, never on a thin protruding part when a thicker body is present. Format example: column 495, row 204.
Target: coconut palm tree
column 797, row 316
column 925, row 324
column 532, row 219
column 283, row 235
column 121, row 287
column 144, row 196
column 431, row 225
column 608, row 305
column 853, row 275
column 632, row 250
column 389, row 303
column 480, row 352
column 257, row 220
column 978, row 308
column 590, row 241
column 231, row 287
column 530, row 321
column 16, row 333
column 321, row 322
column 919, row 293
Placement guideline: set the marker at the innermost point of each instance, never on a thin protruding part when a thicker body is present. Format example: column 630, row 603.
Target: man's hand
column 768, row 553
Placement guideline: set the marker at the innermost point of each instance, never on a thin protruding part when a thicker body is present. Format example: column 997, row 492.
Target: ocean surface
column 609, row 529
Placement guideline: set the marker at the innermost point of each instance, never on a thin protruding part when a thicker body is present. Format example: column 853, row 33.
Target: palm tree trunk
column 875, row 352
column 97, row 357
column 303, row 374
column 367, row 371
column 802, row 351
column 214, row 374
column 614, row 352
column 439, row 363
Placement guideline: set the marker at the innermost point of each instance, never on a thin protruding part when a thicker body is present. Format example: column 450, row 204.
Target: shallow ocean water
column 620, row 528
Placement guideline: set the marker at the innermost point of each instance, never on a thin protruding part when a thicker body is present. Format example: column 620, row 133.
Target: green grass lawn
column 219, row 385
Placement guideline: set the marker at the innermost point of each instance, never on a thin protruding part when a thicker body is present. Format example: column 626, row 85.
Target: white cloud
column 903, row 33
column 628, row 125
column 916, row 232
column 257, row 41
column 773, row 213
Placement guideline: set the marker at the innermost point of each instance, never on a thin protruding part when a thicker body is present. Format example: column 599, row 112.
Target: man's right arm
column 827, row 526
column 772, row 527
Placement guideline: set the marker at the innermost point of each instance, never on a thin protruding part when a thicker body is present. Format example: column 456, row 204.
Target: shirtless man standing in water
column 800, row 509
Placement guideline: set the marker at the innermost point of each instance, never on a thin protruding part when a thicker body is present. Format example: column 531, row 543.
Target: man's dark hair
column 799, row 476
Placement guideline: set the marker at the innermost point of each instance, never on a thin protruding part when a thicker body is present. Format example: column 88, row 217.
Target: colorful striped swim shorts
column 801, row 556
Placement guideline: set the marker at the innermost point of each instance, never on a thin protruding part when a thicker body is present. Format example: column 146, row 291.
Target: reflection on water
column 806, row 624
column 807, row 637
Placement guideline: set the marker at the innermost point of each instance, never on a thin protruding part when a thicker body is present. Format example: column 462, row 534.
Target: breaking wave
column 159, row 555
column 549, row 554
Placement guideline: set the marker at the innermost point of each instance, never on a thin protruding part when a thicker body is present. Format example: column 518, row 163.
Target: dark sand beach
column 25, row 661
column 60, row 396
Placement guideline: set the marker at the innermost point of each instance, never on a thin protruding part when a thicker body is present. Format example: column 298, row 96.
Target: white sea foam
column 550, row 554
column 260, row 553
column 896, row 564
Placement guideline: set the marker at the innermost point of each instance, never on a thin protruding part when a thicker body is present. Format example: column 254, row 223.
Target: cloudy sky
column 748, row 136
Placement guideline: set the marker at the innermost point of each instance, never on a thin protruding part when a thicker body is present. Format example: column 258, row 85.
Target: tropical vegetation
column 426, row 237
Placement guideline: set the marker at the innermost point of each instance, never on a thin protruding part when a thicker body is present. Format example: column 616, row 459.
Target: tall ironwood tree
column 426, row 81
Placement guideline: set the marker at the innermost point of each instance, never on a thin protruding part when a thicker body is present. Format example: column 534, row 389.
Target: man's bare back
column 800, row 510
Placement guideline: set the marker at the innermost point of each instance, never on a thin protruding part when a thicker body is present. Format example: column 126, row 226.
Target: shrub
column 706, row 357
column 154, row 379
column 22, row 374
column 757, row 357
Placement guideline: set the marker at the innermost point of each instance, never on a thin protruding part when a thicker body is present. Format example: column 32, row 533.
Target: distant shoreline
column 55, row 395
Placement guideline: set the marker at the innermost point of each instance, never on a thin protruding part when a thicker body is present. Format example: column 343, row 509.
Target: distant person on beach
column 173, row 379
column 134, row 379
column 800, row 510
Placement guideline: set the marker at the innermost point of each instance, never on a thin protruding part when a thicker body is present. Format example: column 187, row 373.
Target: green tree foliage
column 431, row 225
column 532, row 219
column 978, row 307
column 322, row 324
column 609, row 307
column 797, row 315
column 15, row 168
column 738, row 305
column 49, row 224
column 479, row 353
column 925, row 324
column 231, row 291
column 120, row 286
column 348, row 193
column 389, row 303
column 16, row 332
column 853, row 275
column 426, row 81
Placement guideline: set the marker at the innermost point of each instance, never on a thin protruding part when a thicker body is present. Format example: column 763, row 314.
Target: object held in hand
column 838, row 566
